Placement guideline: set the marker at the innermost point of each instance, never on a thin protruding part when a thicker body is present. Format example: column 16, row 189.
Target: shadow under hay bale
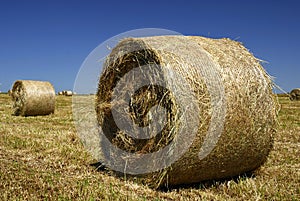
column 32, row 98
column 207, row 184
column 246, row 137
column 295, row 94
column 99, row 166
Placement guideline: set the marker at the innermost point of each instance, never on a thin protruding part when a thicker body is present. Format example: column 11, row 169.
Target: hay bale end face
column 251, row 108
column 295, row 94
column 32, row 98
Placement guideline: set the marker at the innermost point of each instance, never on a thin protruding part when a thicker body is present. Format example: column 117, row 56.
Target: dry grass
column 42, row 158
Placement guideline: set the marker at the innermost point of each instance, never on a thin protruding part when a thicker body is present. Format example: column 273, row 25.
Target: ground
column 42, row 158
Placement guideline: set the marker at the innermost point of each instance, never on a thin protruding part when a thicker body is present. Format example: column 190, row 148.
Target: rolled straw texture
column 31, row 98
column 241, row 144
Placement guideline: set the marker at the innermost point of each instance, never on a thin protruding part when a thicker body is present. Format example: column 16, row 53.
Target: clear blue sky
column 49, row 39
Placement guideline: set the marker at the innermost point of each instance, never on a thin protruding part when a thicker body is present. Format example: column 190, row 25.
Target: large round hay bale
column 31, row 98
column 295, row 94
column 231, row 102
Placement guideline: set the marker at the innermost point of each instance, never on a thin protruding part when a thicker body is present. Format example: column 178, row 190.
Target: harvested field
column 42, row 158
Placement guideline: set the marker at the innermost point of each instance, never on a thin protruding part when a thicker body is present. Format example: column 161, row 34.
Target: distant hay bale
column 251, row 109
column 295, row 94
column 68, row 93
column 31, row 98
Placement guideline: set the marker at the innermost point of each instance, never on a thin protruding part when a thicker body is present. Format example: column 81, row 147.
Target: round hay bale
column 68, row 93
column 224, row 145
column 295, row 94
column 31, row 98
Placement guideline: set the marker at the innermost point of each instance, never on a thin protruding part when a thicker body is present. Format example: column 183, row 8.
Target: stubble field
column 42, row 158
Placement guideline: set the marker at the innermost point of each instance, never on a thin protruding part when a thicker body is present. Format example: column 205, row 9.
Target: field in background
column 43, row 158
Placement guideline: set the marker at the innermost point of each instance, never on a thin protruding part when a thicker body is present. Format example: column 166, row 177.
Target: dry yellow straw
column 246, row 136
column 32, row 98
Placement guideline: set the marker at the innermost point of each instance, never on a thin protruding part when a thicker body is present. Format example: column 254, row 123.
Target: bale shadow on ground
column 100, row 167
